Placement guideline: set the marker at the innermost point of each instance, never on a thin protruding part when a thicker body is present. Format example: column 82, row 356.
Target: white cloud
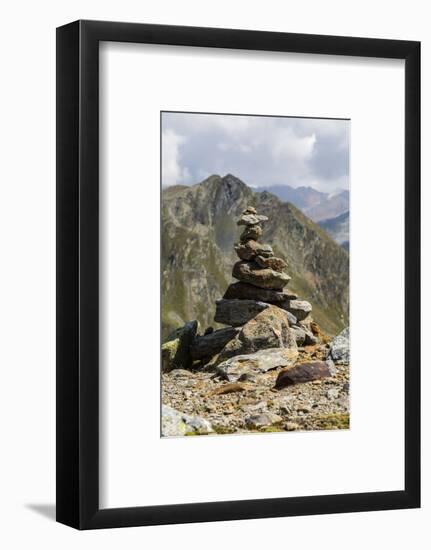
column 172, row 171
column 287, row 145
column 260, row 150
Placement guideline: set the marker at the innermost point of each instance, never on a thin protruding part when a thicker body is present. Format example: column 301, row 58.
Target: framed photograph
column 238, row 288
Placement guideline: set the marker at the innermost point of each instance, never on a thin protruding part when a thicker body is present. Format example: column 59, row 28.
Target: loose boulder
column 242, row 367
column 304, row 372
column 269, row 329
column 340, row 347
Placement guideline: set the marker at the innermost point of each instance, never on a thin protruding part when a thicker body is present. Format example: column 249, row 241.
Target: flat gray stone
column 246, row 291
column 298, row 334
column 262, row 361
column 237, row 312
column 251, row 219
column 299, row 308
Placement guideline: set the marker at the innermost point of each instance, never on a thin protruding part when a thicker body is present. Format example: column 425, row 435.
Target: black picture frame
column 78, row 274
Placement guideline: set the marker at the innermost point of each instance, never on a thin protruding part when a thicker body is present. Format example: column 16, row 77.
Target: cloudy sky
column 262, row 151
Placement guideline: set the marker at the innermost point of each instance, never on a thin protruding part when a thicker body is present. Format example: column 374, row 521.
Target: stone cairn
column 262, row 282
column 260, row 287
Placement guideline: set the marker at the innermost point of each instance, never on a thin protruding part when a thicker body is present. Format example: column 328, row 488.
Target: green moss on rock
column 333, row 421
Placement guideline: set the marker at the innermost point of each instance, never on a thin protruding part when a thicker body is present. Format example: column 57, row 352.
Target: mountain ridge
column 198, row 233
column 338, row 228
column 317, row 205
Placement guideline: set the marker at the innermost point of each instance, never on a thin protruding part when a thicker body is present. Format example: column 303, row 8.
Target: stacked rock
column 262, row 282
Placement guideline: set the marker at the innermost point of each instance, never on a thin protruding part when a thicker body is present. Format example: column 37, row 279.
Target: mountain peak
column 210, row 180
column 228, row 185
column 199, row 235
column 230, row 179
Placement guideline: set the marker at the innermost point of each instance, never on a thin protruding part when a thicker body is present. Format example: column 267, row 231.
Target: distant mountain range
column 317, row 206
column 338, row 228
column 199, row 230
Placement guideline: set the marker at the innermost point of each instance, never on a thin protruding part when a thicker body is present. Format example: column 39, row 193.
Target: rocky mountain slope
column 198, row 234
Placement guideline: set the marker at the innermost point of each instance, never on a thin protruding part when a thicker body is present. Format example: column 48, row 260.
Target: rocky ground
column 272, row 368
column 210, row 404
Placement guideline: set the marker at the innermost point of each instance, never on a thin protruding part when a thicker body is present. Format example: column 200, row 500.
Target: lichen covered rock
column 176, row 423
column 269, row 329
column 340, row 347
column 242, row 367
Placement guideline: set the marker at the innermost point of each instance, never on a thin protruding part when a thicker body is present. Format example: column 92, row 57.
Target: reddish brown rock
column 305, row 372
